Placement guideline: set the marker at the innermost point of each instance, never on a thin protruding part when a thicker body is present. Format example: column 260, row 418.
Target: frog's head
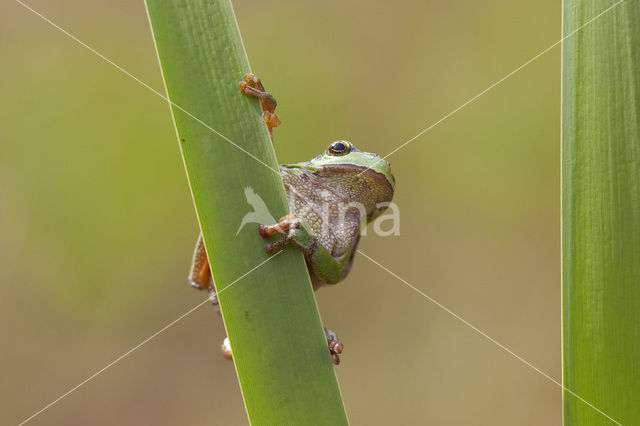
column 345, row 154
column 366, row 177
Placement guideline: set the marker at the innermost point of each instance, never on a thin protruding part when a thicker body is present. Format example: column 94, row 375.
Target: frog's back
column 334, row 201
column 323, row 209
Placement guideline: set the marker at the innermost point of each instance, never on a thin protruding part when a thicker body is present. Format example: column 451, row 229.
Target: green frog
column 331, row 199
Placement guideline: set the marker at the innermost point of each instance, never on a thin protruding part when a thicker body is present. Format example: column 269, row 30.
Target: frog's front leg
column 295, row 232
column 252, row 86
column 322, row 264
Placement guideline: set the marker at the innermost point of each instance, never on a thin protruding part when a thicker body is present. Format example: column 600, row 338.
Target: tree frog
column 331, row 199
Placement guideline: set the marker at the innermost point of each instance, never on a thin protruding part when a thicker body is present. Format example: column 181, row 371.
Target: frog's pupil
column 339, row 147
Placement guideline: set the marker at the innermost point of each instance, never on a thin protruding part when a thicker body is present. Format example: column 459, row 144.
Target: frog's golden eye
column 339, row 148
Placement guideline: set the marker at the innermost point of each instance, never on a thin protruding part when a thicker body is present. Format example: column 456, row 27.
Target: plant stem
column 272, row 321
column 601, row 213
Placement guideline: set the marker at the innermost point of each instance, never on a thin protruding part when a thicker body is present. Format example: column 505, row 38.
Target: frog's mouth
column 380, row 178
column 367, row 168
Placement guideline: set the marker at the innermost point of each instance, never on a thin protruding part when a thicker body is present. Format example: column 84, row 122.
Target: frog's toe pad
column 252, row 80
column 263, row 230
column 225, row 348
column 271, row 119
column 335, row 346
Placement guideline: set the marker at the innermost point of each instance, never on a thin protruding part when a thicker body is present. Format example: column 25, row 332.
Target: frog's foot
column 286, row 225
column 252, row 86
column 295, row 233
column 335, row 345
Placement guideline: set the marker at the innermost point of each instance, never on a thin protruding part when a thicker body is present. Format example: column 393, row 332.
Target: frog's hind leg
column 252, row 86
column 200, row 277
column 200, row 274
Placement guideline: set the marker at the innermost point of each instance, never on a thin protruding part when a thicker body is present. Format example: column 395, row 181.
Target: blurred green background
column 97, row 224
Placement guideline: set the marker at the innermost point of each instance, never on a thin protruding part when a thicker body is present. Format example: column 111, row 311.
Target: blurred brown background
column 97, row 224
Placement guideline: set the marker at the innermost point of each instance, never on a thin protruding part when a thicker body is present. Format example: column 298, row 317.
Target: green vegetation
column 601, row 213
column 270, row 314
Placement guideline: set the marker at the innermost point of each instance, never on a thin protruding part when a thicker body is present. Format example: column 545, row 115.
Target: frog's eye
column 339, row 148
